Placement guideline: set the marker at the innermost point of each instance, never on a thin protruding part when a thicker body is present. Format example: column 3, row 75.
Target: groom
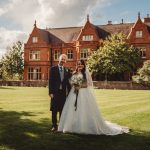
column 59, row 87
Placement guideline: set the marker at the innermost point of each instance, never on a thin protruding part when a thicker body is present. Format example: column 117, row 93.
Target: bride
column 80, row 113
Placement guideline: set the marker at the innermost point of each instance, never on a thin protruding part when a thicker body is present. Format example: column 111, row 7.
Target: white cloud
column 52, row 13
column 60, row 13
column 21, row 14
column 5, row 7
column 8, row 37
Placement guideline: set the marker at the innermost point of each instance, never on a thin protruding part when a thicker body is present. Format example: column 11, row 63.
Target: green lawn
column 25, row 121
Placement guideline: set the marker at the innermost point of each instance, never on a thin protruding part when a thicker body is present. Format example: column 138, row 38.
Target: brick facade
column 44, row 45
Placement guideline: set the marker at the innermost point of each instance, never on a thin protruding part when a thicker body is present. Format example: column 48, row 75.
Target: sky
column 17, row 17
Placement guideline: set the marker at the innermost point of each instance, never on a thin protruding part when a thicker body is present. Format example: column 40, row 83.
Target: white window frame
column 139, row 34
column 142, row 52
column 87, row 38
column 34, row 39
column 70, row 54
column 56, row 54
column 34, row 55
column 84, row 53
column 34, row 73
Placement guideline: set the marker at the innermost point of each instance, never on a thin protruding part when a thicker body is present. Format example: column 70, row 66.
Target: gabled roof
column 44, row 35
column 66, row 35
column 70, row 34
column 117, row 28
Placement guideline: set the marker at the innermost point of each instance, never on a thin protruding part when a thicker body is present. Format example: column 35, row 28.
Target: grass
column 25, row 121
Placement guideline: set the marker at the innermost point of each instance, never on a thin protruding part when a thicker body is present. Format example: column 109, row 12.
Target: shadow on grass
column 10, row 88
column 17, row 133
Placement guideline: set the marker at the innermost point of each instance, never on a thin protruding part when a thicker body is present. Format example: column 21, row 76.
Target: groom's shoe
column 54, row 129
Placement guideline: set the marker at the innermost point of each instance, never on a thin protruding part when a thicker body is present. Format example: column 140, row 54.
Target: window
column 84, row 53
column 34, row 73
column 87, row 38
column 35, row 55
column 56, row 54
column 34, row 39
column 139, row 34
column 70, row 54
column 142, row 52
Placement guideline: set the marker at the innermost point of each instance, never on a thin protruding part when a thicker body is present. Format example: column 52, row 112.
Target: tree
column 12, row 62
column 143, row 74
column 115, row 56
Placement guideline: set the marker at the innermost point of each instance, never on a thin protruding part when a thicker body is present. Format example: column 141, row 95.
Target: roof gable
column 88, row 29
column 139, row 25
column 42, row 35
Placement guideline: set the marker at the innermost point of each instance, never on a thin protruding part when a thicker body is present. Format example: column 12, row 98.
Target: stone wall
column 97, row 84
column 24, row 83
column 119, row 85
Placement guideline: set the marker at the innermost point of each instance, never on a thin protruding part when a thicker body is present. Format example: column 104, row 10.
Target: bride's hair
column 83, row 70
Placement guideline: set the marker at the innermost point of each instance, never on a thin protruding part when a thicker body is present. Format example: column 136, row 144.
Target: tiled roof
column 66, row 35
column 70, row 34
column 117, row 28
column 45, row 35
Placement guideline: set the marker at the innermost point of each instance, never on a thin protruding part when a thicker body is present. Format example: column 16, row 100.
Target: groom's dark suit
column 58, row 86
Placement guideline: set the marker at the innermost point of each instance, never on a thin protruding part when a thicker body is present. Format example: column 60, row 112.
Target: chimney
column 109, row 22
column 147, row 19
column 121, row 21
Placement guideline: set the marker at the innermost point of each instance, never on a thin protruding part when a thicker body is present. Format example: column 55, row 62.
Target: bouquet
column 76, row 81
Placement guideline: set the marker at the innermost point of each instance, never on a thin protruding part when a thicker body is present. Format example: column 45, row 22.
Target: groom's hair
column 62, row 55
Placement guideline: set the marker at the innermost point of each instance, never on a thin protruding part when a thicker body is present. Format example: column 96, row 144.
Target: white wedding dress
column 86, row 119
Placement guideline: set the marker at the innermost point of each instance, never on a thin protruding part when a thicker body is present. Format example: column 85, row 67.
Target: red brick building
column 44, row 46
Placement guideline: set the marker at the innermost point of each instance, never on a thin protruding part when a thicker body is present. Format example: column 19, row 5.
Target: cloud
column 5, row 7
column 18, row 16
column 65, row 12
column 8, row 37
column 52, row 13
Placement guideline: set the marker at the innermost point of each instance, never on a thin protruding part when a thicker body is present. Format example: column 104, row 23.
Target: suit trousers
column 58, row 103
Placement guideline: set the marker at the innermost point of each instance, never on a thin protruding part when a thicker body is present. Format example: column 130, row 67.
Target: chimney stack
column 121, row 21
column 147, row 19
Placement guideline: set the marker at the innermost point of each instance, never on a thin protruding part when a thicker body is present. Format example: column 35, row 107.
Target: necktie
column 61, row 73
column 61, row 68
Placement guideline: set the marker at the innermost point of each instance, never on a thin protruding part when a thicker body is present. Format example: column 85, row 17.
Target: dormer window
column 139, row 34
column 34, row 39
column 87, row 38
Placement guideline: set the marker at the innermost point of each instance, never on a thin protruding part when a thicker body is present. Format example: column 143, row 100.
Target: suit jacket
column 55, row 80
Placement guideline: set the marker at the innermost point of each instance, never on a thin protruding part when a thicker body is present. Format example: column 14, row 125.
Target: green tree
column 115, row 56
column 143, row 74
column 12, row 62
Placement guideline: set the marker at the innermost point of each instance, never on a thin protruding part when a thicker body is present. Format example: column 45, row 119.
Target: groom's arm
column 51, row 79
